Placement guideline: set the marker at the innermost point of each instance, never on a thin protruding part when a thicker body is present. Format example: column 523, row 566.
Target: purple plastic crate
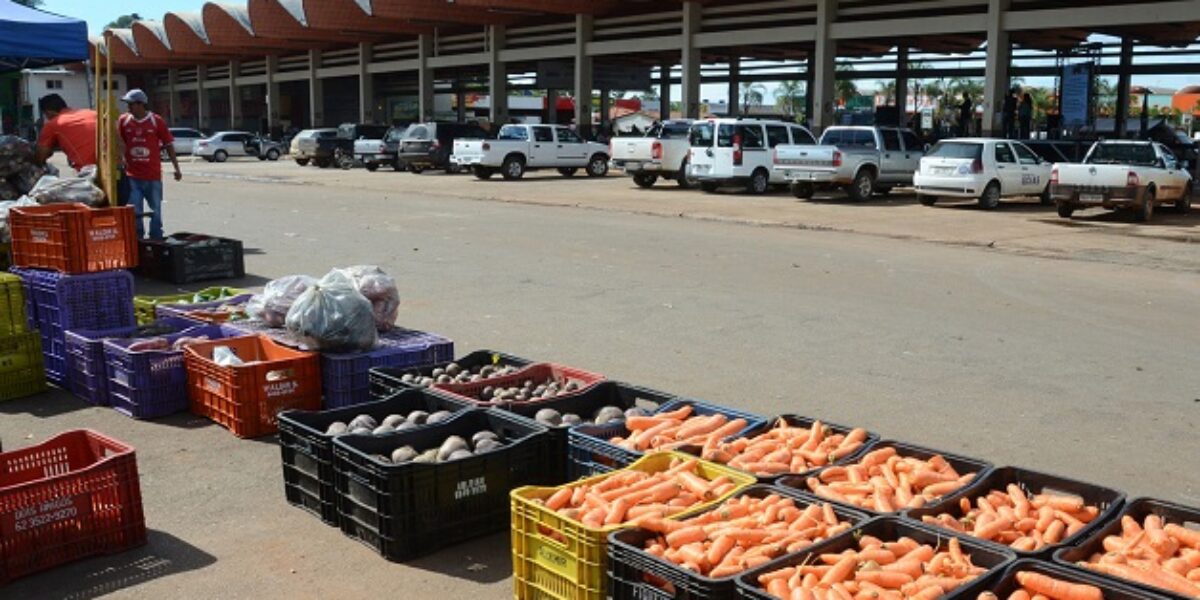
column 345, row 379
column 150, row 384
column 57, row 302
column 181, row 310
column 87, row 371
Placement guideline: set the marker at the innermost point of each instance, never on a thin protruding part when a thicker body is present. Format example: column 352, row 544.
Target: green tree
column 124, row 21
column 29, row 3
column 887, row 89
column 752, row 93
column 957, row 86
column 789, row 97
column 845, row 89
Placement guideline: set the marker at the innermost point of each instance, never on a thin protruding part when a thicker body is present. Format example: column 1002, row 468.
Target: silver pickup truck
column 861, row 160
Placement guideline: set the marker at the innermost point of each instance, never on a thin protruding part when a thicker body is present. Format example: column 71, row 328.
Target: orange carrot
column 1057, row 589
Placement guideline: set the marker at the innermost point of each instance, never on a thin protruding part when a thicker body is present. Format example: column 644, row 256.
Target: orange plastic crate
column 73, row 238
column 247, row 399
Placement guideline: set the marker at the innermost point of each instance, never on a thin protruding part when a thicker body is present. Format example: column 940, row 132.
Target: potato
column 417, row 417
column 393, row 420
column 637, row 411
column 459, row 455
column 381, row 458
column 337, row 428
column 487, row 445
column 429, row 456
column 363, row 421
column 403, row 454
column 571, row 386
column 406, row 426
column 448, row 447
column 548, row 416
column 360, row 430
column 608, row 414
column 453, row 369
column 382, row 429
column 438, row 372
column 438, row 417
column 407, row 378
column 445, row 379
column 571, row 420
column 484, row 435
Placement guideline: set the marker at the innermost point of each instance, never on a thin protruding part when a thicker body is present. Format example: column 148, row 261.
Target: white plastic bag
column 224, row 357
column 51, row 189
column 380, row 289
column 5, row 233
column 333, row 316
column 272, row 305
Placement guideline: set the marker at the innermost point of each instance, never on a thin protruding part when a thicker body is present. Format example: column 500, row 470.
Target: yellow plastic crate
column 546, row 568
column 12, row 306
column 22, row 367
column 143, row 306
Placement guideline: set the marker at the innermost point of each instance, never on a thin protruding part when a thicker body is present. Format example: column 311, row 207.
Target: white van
column 728, row 152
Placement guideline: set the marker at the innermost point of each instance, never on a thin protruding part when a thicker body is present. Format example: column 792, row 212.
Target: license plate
column 697, row 169
column 1091, row 198
column 942, row 170
column 633, row 166
column 368, row 157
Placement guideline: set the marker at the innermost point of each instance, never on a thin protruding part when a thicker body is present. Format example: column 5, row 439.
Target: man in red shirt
column 72, row 130
column 145, row 136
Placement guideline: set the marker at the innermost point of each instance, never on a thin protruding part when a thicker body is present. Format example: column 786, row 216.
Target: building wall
column 74, row 86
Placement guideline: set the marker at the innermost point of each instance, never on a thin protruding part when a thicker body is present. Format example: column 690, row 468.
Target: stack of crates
column 22, row 370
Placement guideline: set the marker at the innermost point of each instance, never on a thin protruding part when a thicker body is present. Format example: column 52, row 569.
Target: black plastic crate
column 638, row 575
column 994, row 559
column 961, row 464
column 406, row 511
column 1007, row 583
column 210, row 258
column 605, row 393
column 386, row 381
column 307, row 452
column 1137, row 509
column 1108, row 500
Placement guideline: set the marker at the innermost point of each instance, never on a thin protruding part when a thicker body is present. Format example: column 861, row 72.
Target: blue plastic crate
column 87, row 372
column 150, row 384
column 345, row 378
column 592, row 454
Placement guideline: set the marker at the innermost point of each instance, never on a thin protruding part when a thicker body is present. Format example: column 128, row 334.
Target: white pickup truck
column 520, row 148
column 663, row 152
column 1122, row 174
column 862, row 160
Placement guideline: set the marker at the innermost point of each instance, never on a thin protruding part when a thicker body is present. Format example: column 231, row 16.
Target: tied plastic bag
column 333, row 316
column 224, row 357
column 380, row 289
column 5, row 234
column 273, row 304
column 82, row 189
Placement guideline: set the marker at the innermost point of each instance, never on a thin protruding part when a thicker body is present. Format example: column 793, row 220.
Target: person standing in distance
column 145, row 135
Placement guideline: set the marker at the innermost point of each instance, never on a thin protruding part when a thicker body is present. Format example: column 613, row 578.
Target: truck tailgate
column 468, row 149
column 639, row 149
column 805, row 157
column 1092, row 176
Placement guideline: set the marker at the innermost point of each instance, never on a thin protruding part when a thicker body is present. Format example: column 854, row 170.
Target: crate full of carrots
column 788, row 445
column 1031, row 578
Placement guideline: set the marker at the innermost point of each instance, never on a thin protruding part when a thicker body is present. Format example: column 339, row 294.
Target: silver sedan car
column 225, row 144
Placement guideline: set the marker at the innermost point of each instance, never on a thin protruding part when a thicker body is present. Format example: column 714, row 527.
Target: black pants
column 122, row 188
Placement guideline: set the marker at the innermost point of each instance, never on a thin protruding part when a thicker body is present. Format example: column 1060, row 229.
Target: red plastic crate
column 73, row 238
column 70, row 497
column 471, row 392
column 247, row 399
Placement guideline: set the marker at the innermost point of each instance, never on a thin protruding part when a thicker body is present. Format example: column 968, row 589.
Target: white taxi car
column 986, row 169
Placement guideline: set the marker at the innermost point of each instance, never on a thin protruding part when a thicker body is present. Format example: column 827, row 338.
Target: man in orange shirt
column 72, row 130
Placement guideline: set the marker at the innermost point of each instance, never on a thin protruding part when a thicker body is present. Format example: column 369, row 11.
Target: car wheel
column 324, row 163
column 709, row 186
column 1065, row 210
column 862, row 187
column 1184, row 203
column 1145, row 210
column 372, row 167
column 513, row 168
column 759, row 183
column 682, row 179
column 220, row 156
column 262, row 158
column 927, row 200
column 645, row 180
column 302, row 162
column 1045, row 197
column 272, row 155
column 483, row 172
column 343, row 160
column 990, row 198
column 803, row 191
column 568, row 171
column 597, row 166
column 398, row 166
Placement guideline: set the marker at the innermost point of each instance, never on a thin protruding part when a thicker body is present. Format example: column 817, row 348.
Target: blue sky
column 98, row 13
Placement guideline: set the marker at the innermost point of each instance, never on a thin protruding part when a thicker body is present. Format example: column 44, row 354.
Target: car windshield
column 1122, row 154
column 669, row 131
column 513, row 132
column 956, row 150
column 701, row 135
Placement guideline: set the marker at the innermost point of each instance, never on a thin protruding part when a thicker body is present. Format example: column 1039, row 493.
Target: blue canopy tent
column 32, row 38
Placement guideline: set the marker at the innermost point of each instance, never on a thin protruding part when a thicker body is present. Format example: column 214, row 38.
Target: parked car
column 376, row 153
column 520, row 148
column 1122, row 174
column 430, row 145
column 981, row 168
column 726, row 152
column 304, row 144
column 185, row 140
column 662, row 152
column 862, row 160
column 225, row 144
column 339, row 150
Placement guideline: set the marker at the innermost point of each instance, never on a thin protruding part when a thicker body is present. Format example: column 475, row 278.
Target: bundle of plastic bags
column 51, row 189
column 380, row 289
column 333, row 316
column 272, row 305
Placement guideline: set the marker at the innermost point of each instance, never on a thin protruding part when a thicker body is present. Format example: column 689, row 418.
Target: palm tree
column 753, row 93
column 789, row 96
column 957, row 86
column 887, row 89
column 845, row 88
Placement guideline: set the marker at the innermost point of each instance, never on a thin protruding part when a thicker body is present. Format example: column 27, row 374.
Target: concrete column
column 902, row 84
column 808, row 90
column 605, row 106
column 497, row 76
column 664, row 92
column 202, row 111
column 823, row 65
column 316, row 90
column 690, row 93
column 235, row 98
column 173, row 95
column 999, row 57
column 461, row 102
column 1124, row 83
column 735, row 89
column 274, row 100
column 425, row 77
column 366, row 84
column 584, row 83
column 551, row 106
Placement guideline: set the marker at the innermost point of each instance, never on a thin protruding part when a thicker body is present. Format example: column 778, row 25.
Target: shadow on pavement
column 51, row 403
column 484, row 560
column 1164, row 216
column 164, row 555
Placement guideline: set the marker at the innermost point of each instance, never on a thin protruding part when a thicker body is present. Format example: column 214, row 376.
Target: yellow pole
column 107, row 125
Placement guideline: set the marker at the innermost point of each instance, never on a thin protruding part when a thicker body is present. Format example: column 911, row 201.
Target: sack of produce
column 380, row 289
column 5, row 234
column 332, row 316
column 8, row 191
column 82, row 189
column 15, row 155
column 273, row 304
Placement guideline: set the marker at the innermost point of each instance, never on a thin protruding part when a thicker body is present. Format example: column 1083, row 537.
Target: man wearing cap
column 145, row 135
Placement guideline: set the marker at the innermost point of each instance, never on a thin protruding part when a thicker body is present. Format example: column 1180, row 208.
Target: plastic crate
column 87, row 371
column 637, row 574
column 224, row 311
column 994, row 559
column 1138, row 509
column 605, row 393
column 797, row 421
column 5, row 255
column 208, row 259
column 56, row 303
column 561, row 558
column 13, row 319
column 345, row 378
column 591, row 452
column 150, row 384
column 21, row 366
column 386, row 381
column 72, row 238
column 145, row 306
column 961, row 464
column 537, row 372
column 246, row 399
column 406, row 511
column 1108, row 500
column 75, row 495
column 1007, row 582
column 308, row 478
